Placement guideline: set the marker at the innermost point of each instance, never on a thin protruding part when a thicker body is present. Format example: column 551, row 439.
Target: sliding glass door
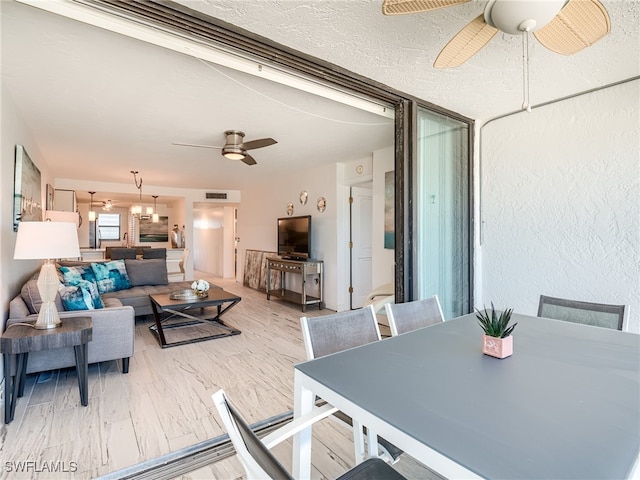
column 441, row 216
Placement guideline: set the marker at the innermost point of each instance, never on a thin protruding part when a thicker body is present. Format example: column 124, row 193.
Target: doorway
column 361, row 245
column 442, row 213
column 214, row 239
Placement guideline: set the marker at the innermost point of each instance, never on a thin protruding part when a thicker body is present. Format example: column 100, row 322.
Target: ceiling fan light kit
column 562, row 26
column 233, row 153
column 235, row 148
column 516, row 16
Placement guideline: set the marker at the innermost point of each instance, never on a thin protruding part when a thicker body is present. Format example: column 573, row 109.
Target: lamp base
column 48, row 284
column 48, row 317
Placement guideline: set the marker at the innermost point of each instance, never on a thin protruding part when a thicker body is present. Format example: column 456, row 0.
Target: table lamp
column 47, row 241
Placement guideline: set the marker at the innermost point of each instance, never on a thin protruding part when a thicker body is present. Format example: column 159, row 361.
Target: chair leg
column 358, row 442
column 372, row 444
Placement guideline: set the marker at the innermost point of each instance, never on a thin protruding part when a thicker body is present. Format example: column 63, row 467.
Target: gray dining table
column 565, row 405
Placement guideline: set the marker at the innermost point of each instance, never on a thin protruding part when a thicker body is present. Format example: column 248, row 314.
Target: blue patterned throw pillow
column 75, row 297
column 73, row 275
column 111, row 276
column 92, row 288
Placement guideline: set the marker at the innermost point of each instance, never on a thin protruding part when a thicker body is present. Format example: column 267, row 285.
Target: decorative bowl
column 187, row 295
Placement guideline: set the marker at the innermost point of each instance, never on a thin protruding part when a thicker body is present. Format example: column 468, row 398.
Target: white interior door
column 362, row 244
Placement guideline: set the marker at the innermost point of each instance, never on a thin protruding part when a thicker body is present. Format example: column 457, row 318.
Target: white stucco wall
column 561, row 203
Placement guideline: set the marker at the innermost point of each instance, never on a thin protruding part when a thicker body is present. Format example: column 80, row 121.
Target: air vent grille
column 216, row 195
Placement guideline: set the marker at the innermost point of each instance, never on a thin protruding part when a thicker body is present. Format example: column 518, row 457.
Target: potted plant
column 497, row 340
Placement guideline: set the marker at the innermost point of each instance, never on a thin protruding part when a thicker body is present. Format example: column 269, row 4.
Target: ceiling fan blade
column 466, row 43
column 579, row 25
column 249, row 160
column 399, row 7
column 194, row 145
column 261, row 142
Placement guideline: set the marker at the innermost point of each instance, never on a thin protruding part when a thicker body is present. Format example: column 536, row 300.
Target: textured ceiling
column 100, row 104
column 400, row 50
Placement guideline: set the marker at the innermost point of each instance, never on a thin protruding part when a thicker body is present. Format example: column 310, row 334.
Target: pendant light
column 92, row 213
column 136, row 210
column 155, row 218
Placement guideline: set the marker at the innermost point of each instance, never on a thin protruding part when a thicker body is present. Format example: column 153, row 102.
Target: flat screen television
column 294, row 237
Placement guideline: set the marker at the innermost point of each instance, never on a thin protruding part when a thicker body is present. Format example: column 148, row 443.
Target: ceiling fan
column 235, row 148
column 562, row 26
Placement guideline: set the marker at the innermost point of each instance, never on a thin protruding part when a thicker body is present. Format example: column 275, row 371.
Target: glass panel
column 442, row 192
column 109, row 226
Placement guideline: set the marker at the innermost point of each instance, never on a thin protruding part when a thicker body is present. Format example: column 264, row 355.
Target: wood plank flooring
column 164, row 403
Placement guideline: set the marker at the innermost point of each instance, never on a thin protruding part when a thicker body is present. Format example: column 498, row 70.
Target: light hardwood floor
column 164, row 403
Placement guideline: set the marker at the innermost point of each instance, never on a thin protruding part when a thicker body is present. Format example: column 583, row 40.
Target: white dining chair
column 588, row 313
column 259, row 463
column 337, row 332
column 408, row 316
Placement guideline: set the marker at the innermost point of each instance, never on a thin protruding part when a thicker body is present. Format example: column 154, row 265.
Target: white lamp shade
column 92, row 216
column 46, row 240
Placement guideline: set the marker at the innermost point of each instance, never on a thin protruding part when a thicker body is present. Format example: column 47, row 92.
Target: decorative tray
column 186, row 295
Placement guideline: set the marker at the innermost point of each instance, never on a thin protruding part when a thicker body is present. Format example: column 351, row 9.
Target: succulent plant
column 495, row 325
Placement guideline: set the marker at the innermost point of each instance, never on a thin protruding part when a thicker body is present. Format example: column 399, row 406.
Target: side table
column 18, row 340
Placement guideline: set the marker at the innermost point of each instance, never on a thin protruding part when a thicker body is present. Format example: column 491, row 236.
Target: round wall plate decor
column 322, row 204
column 290, row 208
column 303, row 197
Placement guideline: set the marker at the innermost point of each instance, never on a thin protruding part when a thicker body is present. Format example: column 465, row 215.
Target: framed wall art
column 27, row 193
column 154, row 232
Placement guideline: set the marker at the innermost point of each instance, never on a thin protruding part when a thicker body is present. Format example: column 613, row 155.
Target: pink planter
column 497, row 347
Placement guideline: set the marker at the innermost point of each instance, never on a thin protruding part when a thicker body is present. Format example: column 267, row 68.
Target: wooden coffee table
column 191, row 320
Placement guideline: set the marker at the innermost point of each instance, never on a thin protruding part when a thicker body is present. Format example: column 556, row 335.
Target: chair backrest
column 380, row 296
column 408, row 316
column 123, row 253
column 254, row 456
column 339, row 331
column 597, row 314
column 154, row 253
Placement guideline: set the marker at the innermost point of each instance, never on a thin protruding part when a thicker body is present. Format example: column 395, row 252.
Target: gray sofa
column 113, row 335
column 113, row 325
